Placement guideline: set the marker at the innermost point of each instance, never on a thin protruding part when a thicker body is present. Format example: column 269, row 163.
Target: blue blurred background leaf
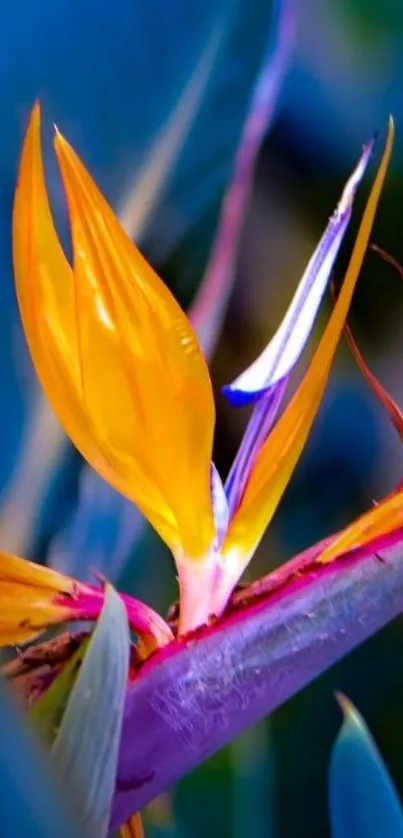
column 362, row 798
column 85, row 751
column 254, row 778
column 31, row 804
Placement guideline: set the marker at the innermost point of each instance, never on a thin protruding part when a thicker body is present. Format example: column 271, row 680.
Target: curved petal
column 285, row 348
column 277, row 458
column 137, row 398
column 40, row 296
column 84, row 754
column 45, row 291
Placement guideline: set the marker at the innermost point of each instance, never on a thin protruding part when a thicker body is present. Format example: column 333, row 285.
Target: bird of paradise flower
column 123, row 370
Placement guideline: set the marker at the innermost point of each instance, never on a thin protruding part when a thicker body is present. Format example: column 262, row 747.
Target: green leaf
column 46, row 714
column 85, row 751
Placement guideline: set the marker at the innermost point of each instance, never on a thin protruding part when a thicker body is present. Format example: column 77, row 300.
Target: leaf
column 362, row 798
column 101, row 533
column 85, row 751
column 31, row 804
column 253, row 778
column 47, row 712
column 226, row 677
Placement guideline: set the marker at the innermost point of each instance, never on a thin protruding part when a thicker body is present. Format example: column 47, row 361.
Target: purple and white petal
column 220, row 506
column 285, row 348
column 259, row 426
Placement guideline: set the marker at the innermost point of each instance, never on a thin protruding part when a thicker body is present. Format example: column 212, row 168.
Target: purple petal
column 258, row 428
column 208, row 309
column 195, row 696
column 285, row 348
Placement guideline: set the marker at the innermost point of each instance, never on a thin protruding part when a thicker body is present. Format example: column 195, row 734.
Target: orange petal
column 133, row 828
column 277, row 458
column 40, row 297
column 137, row 398
column 28, row 599
column 46, row 294
column 382, row 520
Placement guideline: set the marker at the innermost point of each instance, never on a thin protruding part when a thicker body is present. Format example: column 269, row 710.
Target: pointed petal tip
column 350, row 713
column 238, row 397
column 346, row 706
column 61, row 146
column 36, row 110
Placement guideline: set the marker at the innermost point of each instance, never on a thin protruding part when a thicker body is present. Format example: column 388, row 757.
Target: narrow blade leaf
column 86, row 749
column 47, row 713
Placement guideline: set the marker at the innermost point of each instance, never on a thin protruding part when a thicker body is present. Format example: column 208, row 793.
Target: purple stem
column 195, row 696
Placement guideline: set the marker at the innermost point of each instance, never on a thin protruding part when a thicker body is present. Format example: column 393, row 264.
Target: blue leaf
column 102, row 532
column 253, row 773
column 85, row 751
column 362, row 798
column 31, row 805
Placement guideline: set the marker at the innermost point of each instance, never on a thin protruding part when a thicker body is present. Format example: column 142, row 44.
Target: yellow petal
column 277, row 458
column 28, row 599
column 115, row 353
column 382, row 520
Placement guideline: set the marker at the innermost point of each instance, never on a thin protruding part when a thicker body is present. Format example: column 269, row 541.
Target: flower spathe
column 124, row 372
